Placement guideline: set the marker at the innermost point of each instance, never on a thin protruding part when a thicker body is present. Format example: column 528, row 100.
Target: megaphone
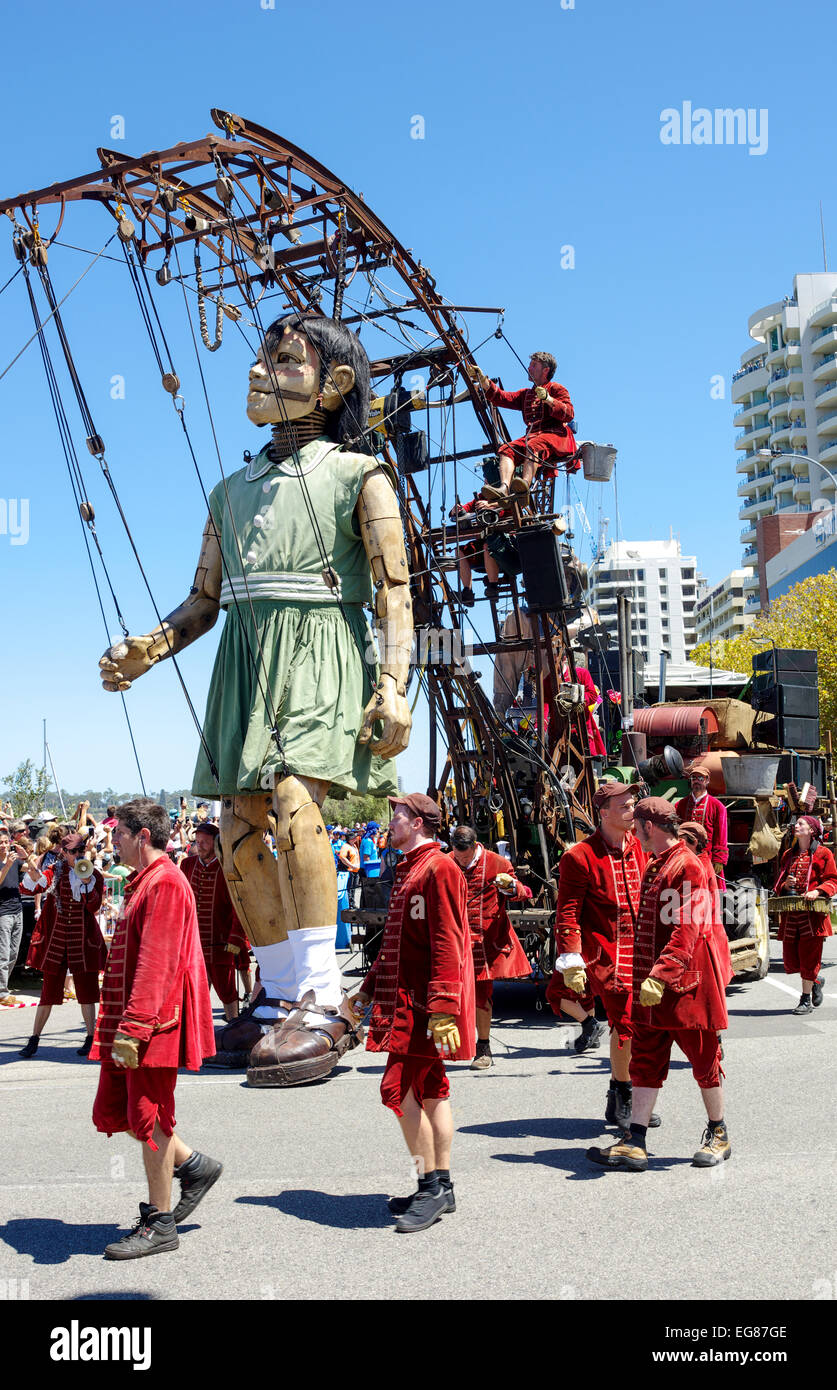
column 663, row 767
column 84, row 869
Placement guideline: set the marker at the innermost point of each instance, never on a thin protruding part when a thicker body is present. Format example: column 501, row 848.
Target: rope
column 57, row 307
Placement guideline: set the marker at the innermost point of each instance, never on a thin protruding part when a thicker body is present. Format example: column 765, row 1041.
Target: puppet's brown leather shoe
column 297, row 1051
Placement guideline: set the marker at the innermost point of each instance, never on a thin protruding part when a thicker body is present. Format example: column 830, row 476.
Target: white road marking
column 789, row 989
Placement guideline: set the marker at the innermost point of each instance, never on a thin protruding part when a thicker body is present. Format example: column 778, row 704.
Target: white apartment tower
column 721, row 613
column 786, row 394
column 663, row 587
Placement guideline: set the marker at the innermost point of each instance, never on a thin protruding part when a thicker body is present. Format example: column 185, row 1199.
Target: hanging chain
column 219, row 308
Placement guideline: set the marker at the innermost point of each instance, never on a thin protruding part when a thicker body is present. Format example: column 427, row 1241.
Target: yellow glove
column 505, row 883
column 125, row 1051
column 234, row 950
column 444, row 1032
column 576, row 978
column 651, row 992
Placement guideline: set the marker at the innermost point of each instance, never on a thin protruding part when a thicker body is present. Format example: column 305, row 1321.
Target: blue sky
column 540, row 132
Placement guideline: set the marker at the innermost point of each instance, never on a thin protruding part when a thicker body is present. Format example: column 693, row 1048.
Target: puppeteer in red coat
column 154, row 990
column 677, row 944
column 425, row 964
column 498, row 954
column 223, row 943
column 548, row 436
column 598, row 905
column 805, row 870
column 67, row 935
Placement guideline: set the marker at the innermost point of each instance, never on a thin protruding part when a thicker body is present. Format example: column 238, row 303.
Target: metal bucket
column 597, row 461
column 750, row 774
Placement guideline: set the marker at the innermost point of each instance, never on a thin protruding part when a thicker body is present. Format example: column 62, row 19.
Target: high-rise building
column 721, row 613
column 663, row 586
column 786, row 394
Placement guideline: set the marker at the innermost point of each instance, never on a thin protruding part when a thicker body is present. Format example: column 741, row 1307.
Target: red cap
column 420, row 805
column 814, row 825
column 658, row 811
column 698, row 832
column 703, row 769
column 606, row 790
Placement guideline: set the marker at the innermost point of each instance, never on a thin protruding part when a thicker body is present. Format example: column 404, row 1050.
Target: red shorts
column 803, row 956
column 556, row 990
column 424, row 1076
column 85, row 983
column 134, row 1100
column 542, row 448
column 483, row 993
column 222, row 978
column 651, row 1053
column 617, row 1006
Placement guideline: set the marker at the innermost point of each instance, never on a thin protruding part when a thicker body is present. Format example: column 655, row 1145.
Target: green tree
column 26, row 788
column 804, row 617
column 347, row 810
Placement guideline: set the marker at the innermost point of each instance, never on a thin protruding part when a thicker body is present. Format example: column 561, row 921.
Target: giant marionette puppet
column 294, row 546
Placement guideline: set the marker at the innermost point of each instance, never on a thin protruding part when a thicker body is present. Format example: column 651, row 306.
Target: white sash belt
column 287, row 587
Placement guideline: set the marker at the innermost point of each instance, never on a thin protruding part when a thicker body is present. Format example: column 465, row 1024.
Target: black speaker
column 790, row 733
column 785, row 662
column 801, row 768
column 791, row 701
column 543, row 562
column 764, row 680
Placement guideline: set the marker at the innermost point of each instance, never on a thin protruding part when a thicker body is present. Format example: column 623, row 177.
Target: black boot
column 196, row 1176
column 84, row 1050
column 618, row 1106
column 592, row 1032
column 805, row 1005
column 31, row 1047
column 816, row 994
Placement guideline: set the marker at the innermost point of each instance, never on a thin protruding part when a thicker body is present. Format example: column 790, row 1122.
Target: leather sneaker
column 425, row 1210
column 625, row 1153
column 399, row 1205
column 153, row 1234
column 483, row 1058
column 715, row 1148
column 816, row 994
column 195, row 1182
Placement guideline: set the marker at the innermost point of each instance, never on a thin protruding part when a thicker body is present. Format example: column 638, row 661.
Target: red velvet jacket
column 598, row 904
column 498, row 954
column 712, row 815
column 677, row 941
column 550, row 418
column 218, row 923
column 155, row 985
column 424, row 965
column 67, row 933
column 818, row 871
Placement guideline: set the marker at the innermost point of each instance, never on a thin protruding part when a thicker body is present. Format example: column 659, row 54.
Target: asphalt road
column 300, row 1210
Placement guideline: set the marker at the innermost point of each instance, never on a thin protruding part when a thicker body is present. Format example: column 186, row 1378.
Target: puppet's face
column 288, row 388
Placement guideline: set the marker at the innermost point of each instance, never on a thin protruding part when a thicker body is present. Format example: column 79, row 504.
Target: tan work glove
column 233, row 950
column 575, row 977
column 718, row 868
column 125, row 1051
column 541, row 393
column 505, row 884
column 444, row 1032
column 651, row 992
column 358, row 1003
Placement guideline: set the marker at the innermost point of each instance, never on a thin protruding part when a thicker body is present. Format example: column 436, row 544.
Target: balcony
column 751, row 553
column 793, row 352
column 826, row 394
column 760, row 323
column 759, row 506
column 749, row 367
column 799, row 435
column 782, row 484
column 748, row 534
column 825, row 341
column 825, row 313
column 754, row 432
column 828, row 455
column 753, row 602
column 752, row 581
column 801, row 491
column 827, row 367
column 827, row 424
column 754, row 482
